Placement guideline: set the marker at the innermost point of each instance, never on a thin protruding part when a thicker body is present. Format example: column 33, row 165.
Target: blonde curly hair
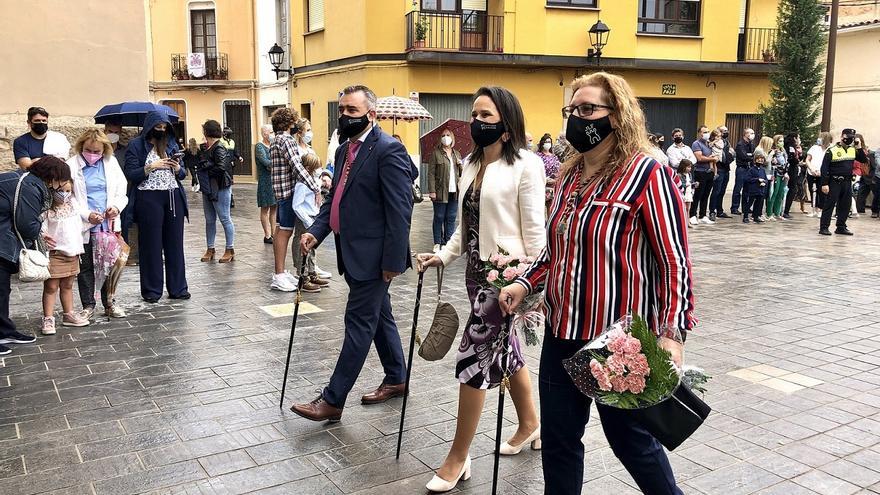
column 630, row 129
column 96, row 135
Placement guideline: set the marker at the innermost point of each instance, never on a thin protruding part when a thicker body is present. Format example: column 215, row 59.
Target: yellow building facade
column 698, row 62
column 222, row 82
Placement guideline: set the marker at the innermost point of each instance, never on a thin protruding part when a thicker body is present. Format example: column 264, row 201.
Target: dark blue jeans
column 444, row 219
column 564, row 415
column 368, row 319
column 722, row 178
column 738, row 183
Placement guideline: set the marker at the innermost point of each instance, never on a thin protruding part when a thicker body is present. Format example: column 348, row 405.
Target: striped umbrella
column 396, row 108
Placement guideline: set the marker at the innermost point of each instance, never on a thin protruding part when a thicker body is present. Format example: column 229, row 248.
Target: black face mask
column 157, row 134
column 584, row 134
column 661, row 142
column 725, row 135
column 40, row 128
column 486, row 134
column 677, row 139
column 847, row 140
column 350, row 127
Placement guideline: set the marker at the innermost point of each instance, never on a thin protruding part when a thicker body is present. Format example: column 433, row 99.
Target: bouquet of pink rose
column 501, row 270
column 626, row 368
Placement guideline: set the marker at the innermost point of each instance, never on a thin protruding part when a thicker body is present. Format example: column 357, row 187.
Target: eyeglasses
column 582, row 110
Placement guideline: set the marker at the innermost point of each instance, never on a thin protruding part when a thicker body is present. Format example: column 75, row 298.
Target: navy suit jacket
column 375, row 210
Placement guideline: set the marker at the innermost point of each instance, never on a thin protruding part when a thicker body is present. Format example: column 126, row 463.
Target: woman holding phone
column 152, row 165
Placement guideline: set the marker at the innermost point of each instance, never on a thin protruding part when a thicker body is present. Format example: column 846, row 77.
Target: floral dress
column 478, row 363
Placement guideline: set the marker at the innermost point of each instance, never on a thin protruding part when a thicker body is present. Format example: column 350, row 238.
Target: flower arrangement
column 625, row 367
column 501, row 270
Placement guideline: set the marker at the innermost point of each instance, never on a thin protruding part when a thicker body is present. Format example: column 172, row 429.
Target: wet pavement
column 182, row 397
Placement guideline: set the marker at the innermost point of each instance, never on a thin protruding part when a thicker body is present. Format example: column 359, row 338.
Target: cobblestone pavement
column 182, row 397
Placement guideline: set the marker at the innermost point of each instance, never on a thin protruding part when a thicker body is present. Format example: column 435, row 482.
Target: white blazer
column 511, row 208
column 116, row 189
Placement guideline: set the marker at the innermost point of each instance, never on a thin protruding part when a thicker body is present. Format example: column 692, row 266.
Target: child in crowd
column 305, row 206
column 717, row 144
column 756, row 182
column 686, row 183
column 64, row 224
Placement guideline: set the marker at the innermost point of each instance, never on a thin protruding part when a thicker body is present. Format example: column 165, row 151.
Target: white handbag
column 33, row 264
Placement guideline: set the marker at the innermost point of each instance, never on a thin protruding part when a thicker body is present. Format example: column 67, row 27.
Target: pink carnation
column 632, row 345
column 521, row 269
column 492, row 276
column 619, row 383
column 493, row 258
column 638, row 364
column 617, row 344
column 509, row 273
column 635, row 384
column 600, row 373
column 615, row 363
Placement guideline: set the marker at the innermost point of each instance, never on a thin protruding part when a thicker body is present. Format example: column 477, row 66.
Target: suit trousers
column 739, row 183
column 368, row 320
column 160, row 222
column 565, row 412
column 840, row 194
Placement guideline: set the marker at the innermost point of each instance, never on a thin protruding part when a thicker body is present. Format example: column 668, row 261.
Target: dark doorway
column 665, row 114
column 738, row 122
column 237, row 115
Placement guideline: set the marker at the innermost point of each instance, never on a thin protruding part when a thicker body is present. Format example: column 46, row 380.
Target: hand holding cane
column 409, row 362
column 299, row 288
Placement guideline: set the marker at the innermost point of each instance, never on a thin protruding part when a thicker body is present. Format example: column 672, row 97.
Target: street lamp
column 276, row 58
column 599, row 33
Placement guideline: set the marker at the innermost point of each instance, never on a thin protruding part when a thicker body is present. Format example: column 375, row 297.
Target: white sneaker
column 324, row 274
column 694, row 221
column 706, row 221
column 291, row 277
column 280, row 281
column 436, row 248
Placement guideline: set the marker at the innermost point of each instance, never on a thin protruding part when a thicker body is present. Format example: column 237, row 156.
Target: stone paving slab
column 182, row 397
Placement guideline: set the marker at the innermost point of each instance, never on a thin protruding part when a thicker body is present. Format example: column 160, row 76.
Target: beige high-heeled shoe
column 439, row 485
column 534, row 439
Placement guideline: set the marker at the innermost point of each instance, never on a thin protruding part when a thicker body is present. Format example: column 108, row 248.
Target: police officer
column 836, row 180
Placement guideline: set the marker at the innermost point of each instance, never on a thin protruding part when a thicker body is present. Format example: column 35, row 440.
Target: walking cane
column 293, row 328
column 409, row 362
column 505, row 383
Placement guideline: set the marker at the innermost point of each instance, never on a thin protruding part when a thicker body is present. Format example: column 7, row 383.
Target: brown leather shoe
column 228, row 256
column 318, row 410
column 319, row 282
column 383, row 393
column 209, row 255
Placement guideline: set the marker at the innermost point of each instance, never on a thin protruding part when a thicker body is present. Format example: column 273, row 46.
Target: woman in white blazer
column 99, row 187
column 502, row 206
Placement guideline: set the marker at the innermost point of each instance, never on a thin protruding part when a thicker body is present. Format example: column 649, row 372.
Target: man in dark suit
column 369, row 211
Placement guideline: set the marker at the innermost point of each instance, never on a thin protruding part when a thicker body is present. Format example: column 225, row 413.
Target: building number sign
column 667, row 89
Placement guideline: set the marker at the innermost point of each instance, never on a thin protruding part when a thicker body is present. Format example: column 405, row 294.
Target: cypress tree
column 796, row 83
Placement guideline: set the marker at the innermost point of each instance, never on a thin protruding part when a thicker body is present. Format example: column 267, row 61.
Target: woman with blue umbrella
column 152, row 165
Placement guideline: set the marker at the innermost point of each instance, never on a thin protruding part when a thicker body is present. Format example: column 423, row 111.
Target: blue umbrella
column 132, row 113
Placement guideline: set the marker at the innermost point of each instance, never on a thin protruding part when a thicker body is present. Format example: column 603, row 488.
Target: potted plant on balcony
column 422, row 26
column 768, row 56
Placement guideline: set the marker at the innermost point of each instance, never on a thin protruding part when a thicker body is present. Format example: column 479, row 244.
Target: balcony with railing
column 464, row 32
column 216, row 68
column 757, row 45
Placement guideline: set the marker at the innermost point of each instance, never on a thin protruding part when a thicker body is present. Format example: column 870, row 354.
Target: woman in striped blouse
column 616, row 243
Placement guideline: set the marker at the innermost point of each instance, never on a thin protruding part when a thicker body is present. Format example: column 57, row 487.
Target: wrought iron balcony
column 757, row 45
column 467, row 32
column 216, row 67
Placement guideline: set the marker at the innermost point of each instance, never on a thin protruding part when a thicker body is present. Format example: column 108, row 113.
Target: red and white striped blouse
column 618, row 248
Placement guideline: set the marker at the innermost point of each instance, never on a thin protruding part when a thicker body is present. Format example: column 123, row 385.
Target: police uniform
column 837, row 173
